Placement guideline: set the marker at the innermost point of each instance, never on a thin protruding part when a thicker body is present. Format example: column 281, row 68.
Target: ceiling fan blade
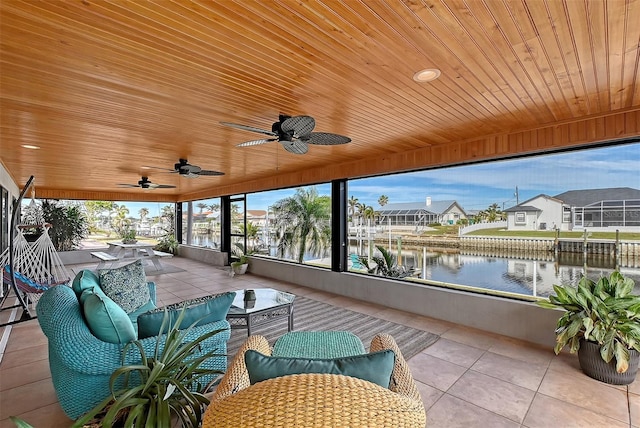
column 298, row 126
column 162, row 186
column 326, row 139
column 248, row 128
column 256, row 142
column 297, row 147
column 128, row 185
column 157, row 167
column 209, row 172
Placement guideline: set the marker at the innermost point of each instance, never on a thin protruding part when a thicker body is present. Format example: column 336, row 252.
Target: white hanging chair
column 37, row 266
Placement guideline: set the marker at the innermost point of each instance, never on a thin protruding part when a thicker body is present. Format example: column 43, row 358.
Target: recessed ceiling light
column 426, row 75
column 29, row 146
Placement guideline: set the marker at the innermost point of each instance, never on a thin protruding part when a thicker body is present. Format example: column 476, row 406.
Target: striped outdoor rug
column 312, row 315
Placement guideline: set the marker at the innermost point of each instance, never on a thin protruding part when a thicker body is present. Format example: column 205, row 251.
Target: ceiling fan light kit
column 294, row 133
column 185, row 169
column 146, row 184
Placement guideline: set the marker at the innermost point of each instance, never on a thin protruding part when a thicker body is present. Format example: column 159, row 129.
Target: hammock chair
column 29, row 269
column 37, row 266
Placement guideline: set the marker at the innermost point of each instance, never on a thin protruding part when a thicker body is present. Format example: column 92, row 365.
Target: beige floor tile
column 526, row 374
column 428, row 394
column 634, row 409
column 452, row 412
column 25, row 337
column 548, row 412
column 17, row 358
column 565, row 361
column 24, row 374
column 587, row 393
column 50, row 416
column 454, row 352
column 504, row 398
column 635, row 386
column 472, row 337
column 522, row 350
column 435, row 372
column 394, row 315
column 26, row 398
column 430, row 324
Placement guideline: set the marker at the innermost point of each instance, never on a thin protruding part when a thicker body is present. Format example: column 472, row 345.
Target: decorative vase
column 594, row 366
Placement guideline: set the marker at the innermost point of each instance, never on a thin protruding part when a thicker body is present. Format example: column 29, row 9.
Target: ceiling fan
column 146, row 184
column 294, row 133
column 185, row 169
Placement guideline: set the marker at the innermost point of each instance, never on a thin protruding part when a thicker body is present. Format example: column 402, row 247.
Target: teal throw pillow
column 203, row 310
column 106, row 320
column 85, row 279
column 126, row 285
column 376, row 367
column 88, row 292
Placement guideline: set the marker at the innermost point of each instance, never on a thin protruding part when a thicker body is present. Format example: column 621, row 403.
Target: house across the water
column 605, row 209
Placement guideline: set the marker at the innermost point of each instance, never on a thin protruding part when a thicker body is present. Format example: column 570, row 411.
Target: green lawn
column 552, row 234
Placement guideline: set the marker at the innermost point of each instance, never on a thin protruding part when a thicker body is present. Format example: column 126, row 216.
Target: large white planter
column 239, row 269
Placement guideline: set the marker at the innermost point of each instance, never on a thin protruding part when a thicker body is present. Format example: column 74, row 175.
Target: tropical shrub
column 604, row 312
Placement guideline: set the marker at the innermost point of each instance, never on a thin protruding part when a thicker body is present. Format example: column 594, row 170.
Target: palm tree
column 120, row 221
column 493, row 213
column 214, row 207
column 383, row 200
column 143, row 212
column 302, row 222
column 353, row 203
column 202, row 206
column 251, row 232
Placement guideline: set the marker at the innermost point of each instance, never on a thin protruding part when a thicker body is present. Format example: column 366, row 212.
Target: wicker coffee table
column 268, row 306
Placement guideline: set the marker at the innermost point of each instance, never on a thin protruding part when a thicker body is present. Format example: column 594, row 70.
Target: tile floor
column 468, row 378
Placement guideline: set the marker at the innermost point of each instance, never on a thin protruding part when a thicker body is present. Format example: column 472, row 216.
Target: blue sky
column 476, row 187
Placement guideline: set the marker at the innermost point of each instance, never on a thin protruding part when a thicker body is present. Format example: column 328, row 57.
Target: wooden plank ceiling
column 108, row 88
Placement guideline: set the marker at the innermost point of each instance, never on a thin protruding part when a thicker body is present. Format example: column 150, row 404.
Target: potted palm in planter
column 240, row 266
column 602, row 324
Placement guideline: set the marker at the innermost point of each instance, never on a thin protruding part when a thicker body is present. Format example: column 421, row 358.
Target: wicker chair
column 315, row 400
column 81, row 364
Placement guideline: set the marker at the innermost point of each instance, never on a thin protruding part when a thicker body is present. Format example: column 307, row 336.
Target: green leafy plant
column 386, row 265
column 604, row 312
column 168, row 244
column 163, row 386
column 68, row 223
column 20, row 423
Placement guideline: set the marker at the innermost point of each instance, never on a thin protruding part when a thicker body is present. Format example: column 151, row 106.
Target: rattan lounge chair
column 315, row 400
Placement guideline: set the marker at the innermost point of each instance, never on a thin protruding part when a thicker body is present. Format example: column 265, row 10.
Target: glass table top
column 266, row 298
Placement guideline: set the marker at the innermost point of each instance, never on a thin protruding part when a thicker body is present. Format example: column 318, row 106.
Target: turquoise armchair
column 81, row 364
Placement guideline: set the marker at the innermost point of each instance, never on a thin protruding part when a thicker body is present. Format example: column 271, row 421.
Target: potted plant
column 129, row 236
column 162, row 388
column 602, row 324
column 240, row 266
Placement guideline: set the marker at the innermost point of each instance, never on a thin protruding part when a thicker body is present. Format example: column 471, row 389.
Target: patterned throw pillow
column 126, row 285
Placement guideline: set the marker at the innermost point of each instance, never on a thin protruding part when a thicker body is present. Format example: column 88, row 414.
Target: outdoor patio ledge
column 206, row 255
column 513, row 318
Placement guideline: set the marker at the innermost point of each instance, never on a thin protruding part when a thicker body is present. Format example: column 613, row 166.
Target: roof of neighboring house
column 436, row 207
column 581, row 198
column 256, row 213
column 520, row 208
